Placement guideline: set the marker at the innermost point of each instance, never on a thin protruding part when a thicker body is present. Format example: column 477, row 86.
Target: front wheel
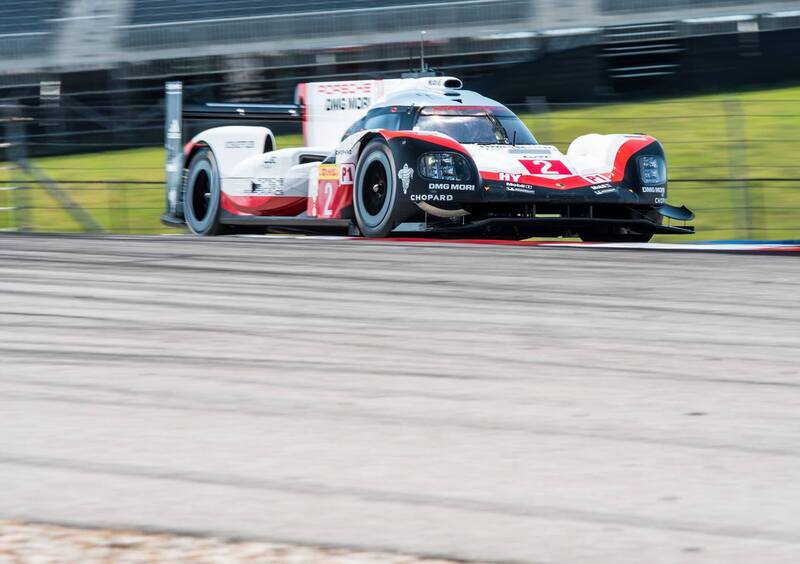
column 375, row 197
column 201, row 195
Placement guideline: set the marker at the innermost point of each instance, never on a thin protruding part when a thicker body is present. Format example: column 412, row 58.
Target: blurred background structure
column 81, row 85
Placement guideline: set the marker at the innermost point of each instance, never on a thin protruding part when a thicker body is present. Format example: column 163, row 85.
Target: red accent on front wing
column 625, row 152
column 628, row 149
column 567, row 183
column 264, row 205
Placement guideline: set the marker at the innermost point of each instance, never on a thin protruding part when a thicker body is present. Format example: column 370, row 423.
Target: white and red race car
column 412, row 155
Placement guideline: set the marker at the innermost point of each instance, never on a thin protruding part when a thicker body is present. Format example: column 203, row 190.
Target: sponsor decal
column 346, row 88
column 248, row 144
column 597, row 178
column 653, row 189
column 508, row 177
column 347, row 103
column 601, row 189
column 431, row 197
column 528, row 152
column 405, row 175
column 344, row 151
column 328, row 172
column 661, row 200
column 347, row 172
column 268, row 187
column 524, row 188
column 270, row 162
column 545, row 167
column 449, row 186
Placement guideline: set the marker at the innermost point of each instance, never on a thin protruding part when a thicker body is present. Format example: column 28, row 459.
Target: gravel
column 43, row 544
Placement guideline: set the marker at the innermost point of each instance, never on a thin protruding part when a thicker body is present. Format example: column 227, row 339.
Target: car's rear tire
column 202, row 193
column 375, row 194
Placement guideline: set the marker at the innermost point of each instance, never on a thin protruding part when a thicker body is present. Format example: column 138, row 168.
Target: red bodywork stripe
column 628, row 149
column 625, row 152
column 264, row 205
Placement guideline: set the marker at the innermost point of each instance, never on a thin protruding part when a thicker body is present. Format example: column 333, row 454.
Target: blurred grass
column 747, row 136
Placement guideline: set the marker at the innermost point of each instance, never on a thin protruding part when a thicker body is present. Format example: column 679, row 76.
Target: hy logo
column 405, row 175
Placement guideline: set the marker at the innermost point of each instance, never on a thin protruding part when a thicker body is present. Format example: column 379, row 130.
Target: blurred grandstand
column 575, row 49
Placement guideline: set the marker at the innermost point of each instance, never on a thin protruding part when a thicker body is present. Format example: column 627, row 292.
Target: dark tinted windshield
column 391, row 118
column 475, row 125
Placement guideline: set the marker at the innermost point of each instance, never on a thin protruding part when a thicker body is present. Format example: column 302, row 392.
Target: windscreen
column 485, row 125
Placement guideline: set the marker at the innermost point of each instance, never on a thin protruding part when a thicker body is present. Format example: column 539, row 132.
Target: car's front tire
column 375, row 195
column 202, row 193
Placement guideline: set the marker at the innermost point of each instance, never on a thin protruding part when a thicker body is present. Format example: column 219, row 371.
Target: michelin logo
column 405, row 175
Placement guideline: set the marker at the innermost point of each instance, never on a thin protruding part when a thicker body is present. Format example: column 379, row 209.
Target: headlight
column 444, row 166
column 652, row 170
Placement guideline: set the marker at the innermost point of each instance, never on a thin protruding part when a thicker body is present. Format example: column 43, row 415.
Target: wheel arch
column 231, row 145
column 365, row 140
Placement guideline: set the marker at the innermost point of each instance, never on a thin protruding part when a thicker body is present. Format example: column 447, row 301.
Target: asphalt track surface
column 479, row 402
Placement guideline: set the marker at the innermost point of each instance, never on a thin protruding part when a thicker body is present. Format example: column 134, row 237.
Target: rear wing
column 244, row 112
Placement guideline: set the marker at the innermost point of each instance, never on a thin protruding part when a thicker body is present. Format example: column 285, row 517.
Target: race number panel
column 334, row 191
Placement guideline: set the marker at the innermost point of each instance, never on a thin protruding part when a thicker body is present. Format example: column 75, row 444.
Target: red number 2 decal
column 546, row 167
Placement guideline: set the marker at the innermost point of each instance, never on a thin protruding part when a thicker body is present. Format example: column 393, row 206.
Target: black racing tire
column 202, row 194
column 375, row 194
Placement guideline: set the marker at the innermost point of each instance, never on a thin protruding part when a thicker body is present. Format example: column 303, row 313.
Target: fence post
column 737, row 166
column 173, row 143
column 21, row 198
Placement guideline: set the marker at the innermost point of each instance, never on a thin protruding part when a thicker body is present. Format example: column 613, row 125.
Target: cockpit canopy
column 491, row 125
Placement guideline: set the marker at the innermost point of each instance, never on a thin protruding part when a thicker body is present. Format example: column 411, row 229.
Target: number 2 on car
column 333, row 181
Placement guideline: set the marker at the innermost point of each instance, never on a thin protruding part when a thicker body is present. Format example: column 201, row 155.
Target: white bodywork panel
column 596, row 153
column 587, row 155
column 276, row 173
column 234, row 143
